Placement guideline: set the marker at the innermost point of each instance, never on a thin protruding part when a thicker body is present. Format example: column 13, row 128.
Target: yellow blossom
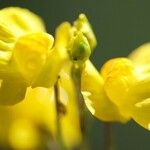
column 120, row 91
column 37, row 69
column 96, row 98
column 126, row 83
column 26, row 54
column 141, row 110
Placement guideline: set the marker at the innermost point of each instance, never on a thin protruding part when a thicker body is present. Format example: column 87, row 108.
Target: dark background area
column 120, row 27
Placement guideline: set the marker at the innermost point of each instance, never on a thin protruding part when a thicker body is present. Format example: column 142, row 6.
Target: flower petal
column 141, row 55
column 97, row 100
column 39, row 107
column 12, row 90
column 30, row 53
column 141, row 113
column 20, row 21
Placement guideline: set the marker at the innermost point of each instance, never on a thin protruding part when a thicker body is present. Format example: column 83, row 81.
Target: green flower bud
column 79, row 48
column 82, row 24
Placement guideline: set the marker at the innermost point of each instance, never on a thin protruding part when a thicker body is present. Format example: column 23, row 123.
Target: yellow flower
column 41, row 73
column 27, row 55
column 126, row 83
column 96, row 98
column 14, row 23
column 120, row 91
column 141, row 110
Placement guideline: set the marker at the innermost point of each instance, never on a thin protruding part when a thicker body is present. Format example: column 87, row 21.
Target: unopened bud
column 82, row 24
column 80, row 48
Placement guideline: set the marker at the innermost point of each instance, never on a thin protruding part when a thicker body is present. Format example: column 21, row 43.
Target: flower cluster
column 41, row 75
column 46, row 79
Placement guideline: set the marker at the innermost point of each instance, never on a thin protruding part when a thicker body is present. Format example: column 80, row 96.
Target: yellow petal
column 119, row 78
column 96, row 100
column 50, row 71
column 141, row 113
column 141, row 55
column 5, row 57
column 30, row 53
column 23, row 135
column 20, row 21
column 6, row 34
column 16, row 86
column 56, row 59
column 141, row 88
column 39, row 107
column 16, row 22
column 71, row 131
column 117, row 67
column 63, row 35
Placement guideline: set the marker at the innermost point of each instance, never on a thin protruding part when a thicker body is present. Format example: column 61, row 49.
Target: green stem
column 76, row 76
column 108, row 136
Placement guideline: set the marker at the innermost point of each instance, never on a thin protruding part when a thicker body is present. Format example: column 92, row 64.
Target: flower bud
column 80, row 48
column 82, row 24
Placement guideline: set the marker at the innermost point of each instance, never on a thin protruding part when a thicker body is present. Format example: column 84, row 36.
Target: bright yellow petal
column 96, row 100
column 15, row 85
column 7, row 34
column 39, row 107
column 63, row 35
column 141, row 55
column 20, row 21
column 50, row 71
column 119, row 78
column 56, row 58
column 16, row 22
column 30, row 53
column 141, row 113
column 23, row 135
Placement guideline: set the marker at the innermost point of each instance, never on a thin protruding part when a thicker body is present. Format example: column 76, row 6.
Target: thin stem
column 59, row 137
column 76, row 76
column 108, row 136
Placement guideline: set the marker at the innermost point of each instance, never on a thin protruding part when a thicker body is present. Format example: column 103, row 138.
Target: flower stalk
column 108, row 145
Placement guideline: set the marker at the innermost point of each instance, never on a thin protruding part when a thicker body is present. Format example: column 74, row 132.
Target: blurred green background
column 120, row 27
